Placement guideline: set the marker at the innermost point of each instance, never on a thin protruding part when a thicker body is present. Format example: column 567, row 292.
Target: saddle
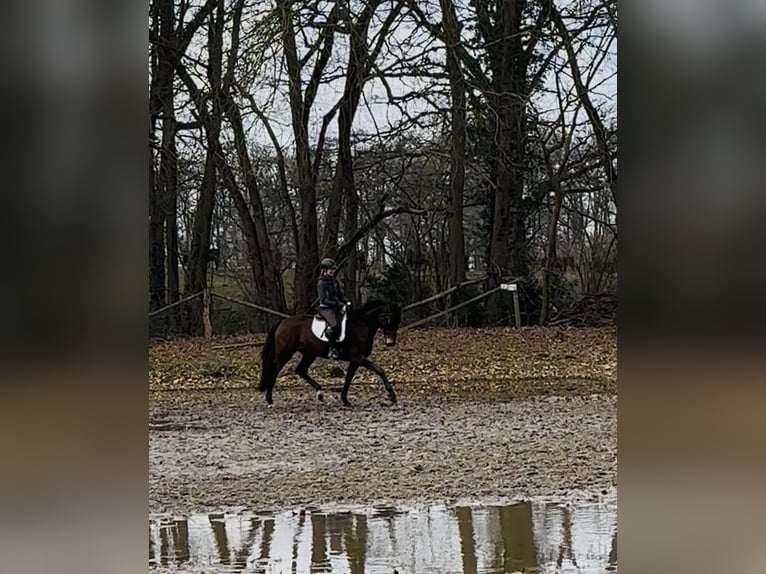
column 319, row 327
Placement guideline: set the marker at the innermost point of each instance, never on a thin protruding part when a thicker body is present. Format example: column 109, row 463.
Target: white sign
column 508, row 286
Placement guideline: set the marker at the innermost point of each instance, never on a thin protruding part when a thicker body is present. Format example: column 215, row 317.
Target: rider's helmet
column 328, row 263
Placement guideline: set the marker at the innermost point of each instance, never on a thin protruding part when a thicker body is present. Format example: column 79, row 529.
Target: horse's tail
column 269, row 360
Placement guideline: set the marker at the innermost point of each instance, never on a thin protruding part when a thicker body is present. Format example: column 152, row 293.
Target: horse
column 294, row 334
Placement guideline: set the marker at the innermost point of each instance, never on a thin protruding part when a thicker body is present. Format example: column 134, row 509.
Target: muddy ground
column 547, row 426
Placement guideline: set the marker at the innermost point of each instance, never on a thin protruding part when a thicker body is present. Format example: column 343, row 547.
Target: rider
column 331, row 301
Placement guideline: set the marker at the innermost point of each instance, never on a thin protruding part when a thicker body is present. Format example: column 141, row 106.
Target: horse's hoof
column 346, row 403
column 270, row 406
column 320, row 396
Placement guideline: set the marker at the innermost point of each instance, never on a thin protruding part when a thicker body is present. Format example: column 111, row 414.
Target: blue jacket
column 330, row 294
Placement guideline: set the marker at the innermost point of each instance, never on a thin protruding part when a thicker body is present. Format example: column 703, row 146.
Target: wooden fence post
column 513, row 288
column 516, row 312
column 206, row 314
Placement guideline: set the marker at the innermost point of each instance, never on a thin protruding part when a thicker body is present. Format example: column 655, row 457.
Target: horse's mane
column 361, row 312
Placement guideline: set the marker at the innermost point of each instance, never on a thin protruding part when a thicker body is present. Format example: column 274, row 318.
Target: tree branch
column 280, row 166
column 360, row 233
column 192, row 27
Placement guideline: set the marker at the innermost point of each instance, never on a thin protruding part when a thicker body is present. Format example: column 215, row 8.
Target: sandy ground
column 214, row 450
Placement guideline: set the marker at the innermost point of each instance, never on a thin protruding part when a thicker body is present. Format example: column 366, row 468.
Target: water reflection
column 538, row 536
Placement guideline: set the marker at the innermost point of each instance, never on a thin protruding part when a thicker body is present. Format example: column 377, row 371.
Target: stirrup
column 333, row 352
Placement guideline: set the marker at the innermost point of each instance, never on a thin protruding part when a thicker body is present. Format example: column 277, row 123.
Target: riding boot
column 332, row 335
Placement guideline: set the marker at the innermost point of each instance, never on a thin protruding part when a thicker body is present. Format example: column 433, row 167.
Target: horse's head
column 382, row 315
column 389, row 320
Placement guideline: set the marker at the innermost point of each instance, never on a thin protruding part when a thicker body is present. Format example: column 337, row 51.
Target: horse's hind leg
column 282, row 358
column 302, row 370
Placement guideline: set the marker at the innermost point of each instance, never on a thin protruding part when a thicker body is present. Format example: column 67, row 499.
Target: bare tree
column 169, row 40
column 417, row 137
column 451, row 30
column 599, row 130
column 556, row 147
column 361, row 57
column 199, row 252
column 301, row 102
column 267, row 278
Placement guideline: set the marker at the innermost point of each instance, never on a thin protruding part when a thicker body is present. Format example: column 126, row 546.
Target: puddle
column 538, row 536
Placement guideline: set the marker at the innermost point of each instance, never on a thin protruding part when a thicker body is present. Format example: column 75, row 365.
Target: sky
column 374, row 112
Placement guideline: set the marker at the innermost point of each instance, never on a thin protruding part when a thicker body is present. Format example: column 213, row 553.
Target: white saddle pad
column 318, row 327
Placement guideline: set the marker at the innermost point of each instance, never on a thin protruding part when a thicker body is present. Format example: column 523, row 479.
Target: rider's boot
column 332, row 335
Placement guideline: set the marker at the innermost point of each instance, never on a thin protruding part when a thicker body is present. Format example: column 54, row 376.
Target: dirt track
column 499, row 417
column 232, row 451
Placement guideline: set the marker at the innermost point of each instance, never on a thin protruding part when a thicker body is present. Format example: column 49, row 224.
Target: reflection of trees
column 266, row 534
column 202, row 544
column 318, row 534
column 537, row 536
column 338, row 526
column 240, row 532
column 174, row 543
column 486, row 535
column 566, row 549
column 518, row 543
column 428, row 539
column 234, row 535
column 347, row 535
column 356, row 544
column 155, row 552
column 593, row 530
column 549, row 535
column 221, row 540
column 581, row 539
column 465, row 528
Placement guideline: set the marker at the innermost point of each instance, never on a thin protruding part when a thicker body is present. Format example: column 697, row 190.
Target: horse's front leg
column 352, row 367
column 386, row 383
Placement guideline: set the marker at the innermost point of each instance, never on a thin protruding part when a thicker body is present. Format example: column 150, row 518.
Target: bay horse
column 294, row 334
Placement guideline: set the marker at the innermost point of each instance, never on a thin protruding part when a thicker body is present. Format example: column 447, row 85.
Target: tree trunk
column 451, row 28
column 362, row 54
column 161, row 106
column 352, row 263
column 344, row 190
column 156, row 223
column 333, row 212
column 168, row 45
column 156, row 246
column 203, row 216
column 267, row 276
column 508, row 246
column 345, row 171
column 550, row 251
column 169, row 181
column 307, row 264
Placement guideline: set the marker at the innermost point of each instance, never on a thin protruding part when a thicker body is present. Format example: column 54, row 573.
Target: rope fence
column 179, row 302
column 208, row 295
